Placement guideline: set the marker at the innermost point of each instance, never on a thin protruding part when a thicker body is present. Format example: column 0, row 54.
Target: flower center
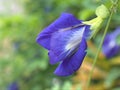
column 75, row 39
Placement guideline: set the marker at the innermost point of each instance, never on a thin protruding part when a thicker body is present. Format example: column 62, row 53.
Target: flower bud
column 102, row 11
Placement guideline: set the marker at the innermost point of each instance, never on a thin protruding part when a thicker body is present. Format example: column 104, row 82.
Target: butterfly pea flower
column 13, row 86
column 111, row 44
column 65, row 40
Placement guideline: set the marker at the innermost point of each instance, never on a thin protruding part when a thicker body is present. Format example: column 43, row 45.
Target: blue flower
column 65, row 39
column 111, row 46
column 13, row 86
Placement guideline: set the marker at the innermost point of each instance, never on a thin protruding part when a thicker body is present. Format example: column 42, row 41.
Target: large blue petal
column 72, row 64
column 64, row 43
column 64, row 21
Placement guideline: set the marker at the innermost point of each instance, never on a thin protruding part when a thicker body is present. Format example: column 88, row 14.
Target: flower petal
column 72, row 64
column 64, row 21
column 13, row 86
column 64, row 43
column 87, row 32
column 110, row 48
column 52, row 58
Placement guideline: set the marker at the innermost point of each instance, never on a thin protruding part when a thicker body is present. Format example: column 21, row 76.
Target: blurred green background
column 23, row 61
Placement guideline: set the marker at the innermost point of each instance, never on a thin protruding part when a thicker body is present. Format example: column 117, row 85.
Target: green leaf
column 56, row 87
column 67, row 86
column 118, row 40
column 112, row 76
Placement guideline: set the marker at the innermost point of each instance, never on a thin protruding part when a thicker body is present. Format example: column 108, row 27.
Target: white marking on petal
column 112, row 44
column 75, row 39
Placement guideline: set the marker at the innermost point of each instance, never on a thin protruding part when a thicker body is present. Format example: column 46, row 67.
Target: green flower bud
column 102, row 11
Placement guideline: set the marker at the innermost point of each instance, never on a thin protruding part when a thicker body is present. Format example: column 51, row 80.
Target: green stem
column 100, row 46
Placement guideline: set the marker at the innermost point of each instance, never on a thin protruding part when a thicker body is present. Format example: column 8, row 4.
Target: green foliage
column 118, row 40
column 26, row 56
column 67, row 85
column 113, row 75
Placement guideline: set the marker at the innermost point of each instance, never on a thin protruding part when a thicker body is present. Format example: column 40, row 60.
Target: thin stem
column 100, row 46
